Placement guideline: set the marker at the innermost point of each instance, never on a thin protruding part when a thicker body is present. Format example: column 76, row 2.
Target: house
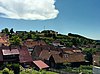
column 1, row 56
column 52, row 58
column 10, row 55
column 96, row 70
column 73, row 56
column 96, row 59
column 39, row 64
column 57, row 43
column 31, row 43
column 96, row 62
column 56, row 56
column 24, row 56
column 19, row 32
column 4, row 41
column 15, row 55
column 36, row 52
column 38, row 48
column 98, row 46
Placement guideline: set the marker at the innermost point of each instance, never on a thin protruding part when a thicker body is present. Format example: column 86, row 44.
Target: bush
column 16, row 68
column 5, row 71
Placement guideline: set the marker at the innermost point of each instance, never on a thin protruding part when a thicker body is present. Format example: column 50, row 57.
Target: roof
column 96, row 58
column 46, row 54
column 58, row 59
column 10, row 52
column 24, row 56
column 31, row 43
column 67, row 50
column 77, row 51
column 97, row 53
column 76, row 57
column 40, row 64
column 3, row 40
column 56, row 41
column 71, row 50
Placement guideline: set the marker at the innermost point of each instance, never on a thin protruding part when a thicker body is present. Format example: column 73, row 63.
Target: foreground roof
column 40, row 64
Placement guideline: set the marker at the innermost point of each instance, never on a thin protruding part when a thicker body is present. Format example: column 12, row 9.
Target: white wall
column 96, row 70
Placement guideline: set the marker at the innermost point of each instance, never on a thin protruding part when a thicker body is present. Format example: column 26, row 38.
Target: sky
column 64, row 16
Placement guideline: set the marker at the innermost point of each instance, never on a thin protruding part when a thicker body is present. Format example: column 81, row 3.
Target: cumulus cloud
column 28, row 9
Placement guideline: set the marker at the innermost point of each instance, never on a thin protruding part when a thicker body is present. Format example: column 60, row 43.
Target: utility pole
column 44, row 27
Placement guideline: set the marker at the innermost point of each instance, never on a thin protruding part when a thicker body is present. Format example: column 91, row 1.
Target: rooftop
column 40, row 64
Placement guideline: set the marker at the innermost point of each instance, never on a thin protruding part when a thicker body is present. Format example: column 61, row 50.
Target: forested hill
column 48, row 36
column 79, row 36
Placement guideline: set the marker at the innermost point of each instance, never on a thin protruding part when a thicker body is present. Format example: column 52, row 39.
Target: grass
column 84, row 69
column 32, row 71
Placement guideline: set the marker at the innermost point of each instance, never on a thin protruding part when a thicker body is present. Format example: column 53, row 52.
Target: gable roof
column 46, row 54
column 76, row 57
column 58, row 59
column 40, row 64
column 24, row 56
column 10, row 52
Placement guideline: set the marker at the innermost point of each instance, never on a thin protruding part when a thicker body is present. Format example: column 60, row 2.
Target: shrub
column 16, row 68
column 5, row 71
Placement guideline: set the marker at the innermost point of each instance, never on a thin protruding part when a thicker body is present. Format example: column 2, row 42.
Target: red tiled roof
column 31, row 43
column 10, row 52
column 4, row 41
column 24, row 55
column 40, row 64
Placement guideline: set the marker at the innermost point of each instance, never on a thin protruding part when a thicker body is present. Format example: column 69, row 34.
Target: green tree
column 6, row 31
column 11, row 31
column 15, row 40
column 89, row 52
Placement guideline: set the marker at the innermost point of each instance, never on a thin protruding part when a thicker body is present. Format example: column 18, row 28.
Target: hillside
column 48, row 36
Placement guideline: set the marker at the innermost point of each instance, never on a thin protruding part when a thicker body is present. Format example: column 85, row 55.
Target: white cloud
column 28, row 9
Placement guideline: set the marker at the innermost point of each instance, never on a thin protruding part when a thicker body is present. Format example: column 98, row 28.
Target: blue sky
column 75, row 16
